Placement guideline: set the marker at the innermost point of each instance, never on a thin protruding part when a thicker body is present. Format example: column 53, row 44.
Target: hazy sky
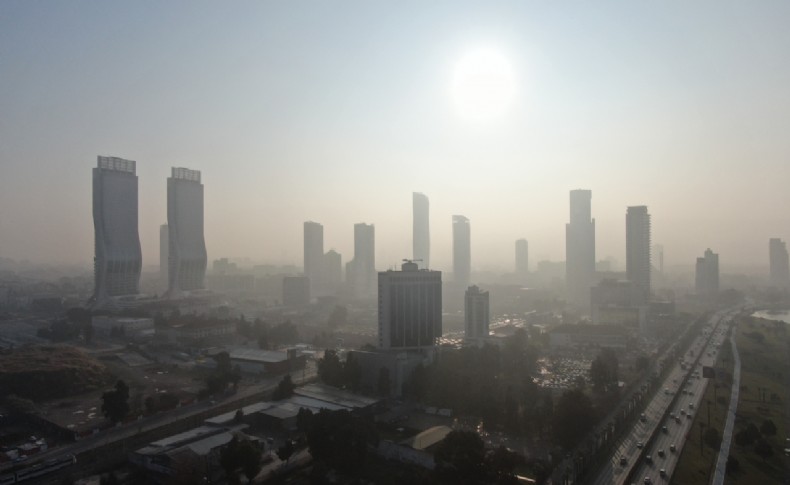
column 337, row 111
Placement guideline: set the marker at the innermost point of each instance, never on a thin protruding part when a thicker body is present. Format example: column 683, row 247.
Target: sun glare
column 483, row 85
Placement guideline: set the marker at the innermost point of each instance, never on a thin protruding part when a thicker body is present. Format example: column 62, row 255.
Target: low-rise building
column 568, row 336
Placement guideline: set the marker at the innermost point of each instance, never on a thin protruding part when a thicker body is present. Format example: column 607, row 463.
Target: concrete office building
column 187, row 246
column 637, row 248
column 779, row 263
column 522, row 257
column 314, row 255
column 361, row 271
column 707, row 274
column 410, row 308
column 118, row 258
column 462, row 251
column 580, row 248
column 331, row 273
column 476, row 314
column 421, row 230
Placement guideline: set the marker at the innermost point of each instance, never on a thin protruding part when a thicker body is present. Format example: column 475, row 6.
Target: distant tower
column 118, row 258
column 522, row 257
column 659, row 249
column 780, row 268
column 580, row 248
column 331, row 273
column 410, row 307
column 476, row 314
column 361, row 271
column 313, row 254
column 421, row 230
column 187, row 255
column 462, row 251
column 164, row 250
column 707, row 274
column 637, row 248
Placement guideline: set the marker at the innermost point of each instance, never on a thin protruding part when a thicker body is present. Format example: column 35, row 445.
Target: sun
column 483, row 85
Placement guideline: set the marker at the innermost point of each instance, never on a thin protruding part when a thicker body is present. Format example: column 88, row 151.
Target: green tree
column 711, row 438
column 240, row 454
column 285, row 451
column 330, row 369
column 573, row 418
column 285, row 388
column 304, row 419
column 340, row 439
column 768, row 428
column 460, row 459
column 501, row 464
column 115, row 403
column 352, row 372
column 763, row 449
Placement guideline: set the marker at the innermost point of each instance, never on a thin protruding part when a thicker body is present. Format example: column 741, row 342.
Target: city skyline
column 633, row 116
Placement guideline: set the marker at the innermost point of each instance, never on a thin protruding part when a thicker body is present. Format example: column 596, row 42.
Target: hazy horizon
column 295, row 113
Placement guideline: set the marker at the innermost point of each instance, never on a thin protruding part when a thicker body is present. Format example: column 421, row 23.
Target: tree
column 460, row 459
column 501, row 462
column 304, row 419
column 115, row 403
column 330, row 369
column 239, row 416
column 763, row 449
column 285, row 389
column 711, row 438
column 286, row 451
column 573, row 418
column 747, row 436
column 340, row 439
column 240, row 453
column 352, row 372
column 768, row 428
column 733, row 465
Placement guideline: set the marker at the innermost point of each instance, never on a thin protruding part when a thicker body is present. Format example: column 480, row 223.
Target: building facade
column 187, row 259
column 707, row 274
column 409, row 307
column 164, row 250
column 118, row 259
column 522, row 257
column 477, row 316
column 637, row 248
column 421, row 230
column 580, row 248
column 361, row 271
column 314, row 255
column 462, row 251
column 779, row 263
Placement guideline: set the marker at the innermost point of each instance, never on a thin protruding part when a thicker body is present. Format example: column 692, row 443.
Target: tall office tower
column 476, row 313
column 361, row 271
column 187, row 255
column 637, row 248
column 522, row 257
column 580, row 248
column 410, row 307
column 118, row 258
column 331, row 273
column 462, row 251
column 163, row 253
column 780, row 268
column 707, row 274
column 421, row 230
column 314, row 255
column 659, row 250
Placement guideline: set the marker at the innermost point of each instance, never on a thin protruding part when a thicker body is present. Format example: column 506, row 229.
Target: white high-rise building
column 314, row 255
column 476, row 314
column 580, row 248
column 637, row 248
column 462, row 251
column 421, row 230
column 118, row 258
column 707, row 274
column 187, row 246
column 410, row 307
column 361, row 271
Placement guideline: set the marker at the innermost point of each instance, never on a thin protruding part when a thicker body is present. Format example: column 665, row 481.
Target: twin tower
column 118, row 259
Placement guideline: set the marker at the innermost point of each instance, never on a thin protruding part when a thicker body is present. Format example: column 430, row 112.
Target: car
column 623, row 461
column 642, row 417
column 639, row 445
column 689, row 416
column 649, row 459
column 672, row 448
column 662, row 472
column 664, row 429
column 648, row 481
column 683, row 411
column 677, row 419
column 661, row 453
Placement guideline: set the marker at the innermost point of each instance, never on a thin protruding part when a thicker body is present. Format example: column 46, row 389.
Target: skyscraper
column 331, row 273
column 780, row 268
column 580, row 248
column 522, row 257
column 476, row 314
column 187, row 246
column 637, row 248
column 707, row 274
column 118, row 258
column 361, row 271
column 164, row 250
column 421, row 230
column 462, row 251
column 313, row 254
column 410, row 307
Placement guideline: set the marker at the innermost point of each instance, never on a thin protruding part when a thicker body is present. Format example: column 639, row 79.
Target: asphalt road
column 632, row 446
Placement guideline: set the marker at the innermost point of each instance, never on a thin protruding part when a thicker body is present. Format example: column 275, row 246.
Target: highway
column 647, row 436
